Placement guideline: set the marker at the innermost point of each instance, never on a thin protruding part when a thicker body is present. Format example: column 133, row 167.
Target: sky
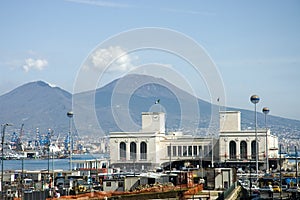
column 255, row 45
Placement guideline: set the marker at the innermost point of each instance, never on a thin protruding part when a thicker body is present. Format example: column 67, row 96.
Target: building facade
column 152, row 147
column 238, row 147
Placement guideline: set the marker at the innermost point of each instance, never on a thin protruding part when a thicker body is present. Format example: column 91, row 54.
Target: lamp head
column 254, row 99
column 70, row 114
column 266, row 110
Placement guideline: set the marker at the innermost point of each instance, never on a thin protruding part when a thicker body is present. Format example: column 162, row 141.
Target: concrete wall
column 230, row 121
column 113, row 185
column 223, row 178
column 153, row 122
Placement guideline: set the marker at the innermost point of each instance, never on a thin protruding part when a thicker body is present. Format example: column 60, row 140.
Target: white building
column 238, row 146
column 152, row 147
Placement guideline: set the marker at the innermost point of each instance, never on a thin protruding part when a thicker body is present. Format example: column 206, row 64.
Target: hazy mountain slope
column 38, row 105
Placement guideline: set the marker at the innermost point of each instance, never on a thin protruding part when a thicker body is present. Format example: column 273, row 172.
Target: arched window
column 243, row 149
column 122, row 151
column 232, row 150
column 132, row 151
column 253, row 149
column 143, row 151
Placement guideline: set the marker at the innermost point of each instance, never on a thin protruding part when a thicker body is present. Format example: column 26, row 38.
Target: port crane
column 16, row 140
column 19, row 141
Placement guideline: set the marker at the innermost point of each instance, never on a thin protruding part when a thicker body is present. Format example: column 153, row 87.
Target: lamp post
column 172, row 138
column 170, row 157
column 280, row 175
column 70, row 115
column 225, row 139
column 296, row 157
column 3, row 127
column 212, row 151
column 255, row 99
column 266, row 111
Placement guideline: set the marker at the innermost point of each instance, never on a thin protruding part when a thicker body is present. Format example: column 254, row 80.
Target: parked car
column 267, row 188
column 254, row 188
column 240, row 170
column 284, row 187
column 276, row 188
column 293, row 189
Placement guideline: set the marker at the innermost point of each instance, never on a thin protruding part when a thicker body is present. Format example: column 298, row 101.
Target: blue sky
column 254, row 44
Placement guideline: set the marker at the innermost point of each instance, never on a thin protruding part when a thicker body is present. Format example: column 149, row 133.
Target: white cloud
column 112, row 59
column 37, row 64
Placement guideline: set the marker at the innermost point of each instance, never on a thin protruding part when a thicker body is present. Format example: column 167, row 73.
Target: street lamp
column 170, row 162
column 70, row 115
column 225, row 139
column 266, row 111
column 3, row 127
column 255, row 99
column 296, row 157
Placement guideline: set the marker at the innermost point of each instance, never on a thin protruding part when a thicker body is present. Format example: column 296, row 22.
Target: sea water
column 42, row 164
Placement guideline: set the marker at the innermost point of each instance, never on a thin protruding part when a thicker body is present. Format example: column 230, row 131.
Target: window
column 195, row 151
column 122, row 151
column 169, row 151
column 143, row 151
column 210, row 150
column 243, row 149
column 200, row 151
column 179, row 151
column 120, row 184
column 190, row 151
column 232, row 150
column 132, row 151
column 253, row 149
column 108, row 184
column 205, row 150
column 174, row 150
column 184, row 151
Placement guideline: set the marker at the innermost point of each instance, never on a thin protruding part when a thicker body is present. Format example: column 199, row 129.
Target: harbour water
column 42, row 164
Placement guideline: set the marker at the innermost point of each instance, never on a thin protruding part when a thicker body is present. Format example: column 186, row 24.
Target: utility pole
column 280, row 171
column 70, row 116
column 3, row 127
column 255, row 99
column 296, row 154
column 52, row 174
column 170, row 156
column 212, row 151
column 250, row 177
column 266, row 111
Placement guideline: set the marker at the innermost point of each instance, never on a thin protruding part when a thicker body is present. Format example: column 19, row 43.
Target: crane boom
column 21, row 132
column 19, row 142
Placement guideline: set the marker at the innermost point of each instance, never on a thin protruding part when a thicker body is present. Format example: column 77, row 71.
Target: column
column 128, row 150
column 138, row 151
column 238, row 149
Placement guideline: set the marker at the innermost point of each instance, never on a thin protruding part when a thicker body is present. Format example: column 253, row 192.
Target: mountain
column 118, row 106
column 37, row 105
column 135, row 94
